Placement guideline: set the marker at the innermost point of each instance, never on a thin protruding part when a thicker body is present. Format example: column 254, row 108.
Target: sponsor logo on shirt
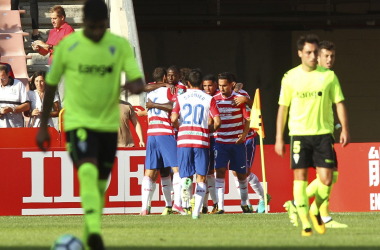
column 95, row 69
column 309, row 94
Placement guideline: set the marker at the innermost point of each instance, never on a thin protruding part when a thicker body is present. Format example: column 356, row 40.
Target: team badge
column 112, row 49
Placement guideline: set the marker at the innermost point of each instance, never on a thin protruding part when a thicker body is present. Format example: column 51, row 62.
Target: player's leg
column 186, row 170
column 154, row 185
column 222, row 158
column 324, row 159
column 301, row 159
column 211, row 177
column 166, row 184
column 153, row 162
column 238, row 163
column 201, row 159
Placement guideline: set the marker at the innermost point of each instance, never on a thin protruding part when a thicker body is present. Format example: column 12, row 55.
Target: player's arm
column 163, row 106
column 243, row 99
column 245, row 132
column 138, row 129
column 342, row 115
column 214, row 121
column 280, row 126
column 135, row 86
column 141, row 113
column 134, row 82
column 151, row 87
column 174, row 119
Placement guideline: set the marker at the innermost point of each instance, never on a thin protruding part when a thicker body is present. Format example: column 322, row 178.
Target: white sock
column 200, row 192
column 256, row 185
column 166, row 183
column 184, row 203
column 326, row 219
column 177, row 189
column 146, row 188
column 152, row 193
column 220, row 186
column 243, row 186
column 211, row 187
column 237, row 184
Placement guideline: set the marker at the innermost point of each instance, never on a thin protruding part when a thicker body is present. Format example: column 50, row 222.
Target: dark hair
column 95, row 10
column 326, row 45
column 209, row 77
column 195, row 78
column 36, row 74
column 311, row 38
column 175, row 68
column 59, row 10
column 227, row 76
column 4, row 68
column 184, row 75
column 158, row 74
column 233, row 77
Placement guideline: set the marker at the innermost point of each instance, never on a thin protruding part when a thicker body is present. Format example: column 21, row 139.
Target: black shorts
column 312, row 151
column 84, row 143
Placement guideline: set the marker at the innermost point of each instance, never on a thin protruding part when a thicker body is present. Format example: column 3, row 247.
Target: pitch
column 243, row 231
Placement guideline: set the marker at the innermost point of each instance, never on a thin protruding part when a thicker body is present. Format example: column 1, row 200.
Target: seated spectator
column 60, row 30
column 36, row 97
column 125, row 138
column 13, row 100
column 9, row 68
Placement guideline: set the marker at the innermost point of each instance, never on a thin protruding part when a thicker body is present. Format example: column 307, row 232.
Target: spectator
column 60, row 29
column 36, row 97
column 13, row 100
column 34, row 15
column 9, row 68
column 127, row 114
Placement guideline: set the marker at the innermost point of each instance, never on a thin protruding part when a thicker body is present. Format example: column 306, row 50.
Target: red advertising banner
column 45, row 183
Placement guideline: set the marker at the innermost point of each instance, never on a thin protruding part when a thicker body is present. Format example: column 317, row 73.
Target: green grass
column 243, row 231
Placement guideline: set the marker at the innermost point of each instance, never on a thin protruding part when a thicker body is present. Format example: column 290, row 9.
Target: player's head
column 195, row 79
column 184, row 75
column 238, row 87
column 38, row 81
column 308, row 50
column 95, row 19
column 4, row 75
column 173, row 74
column 57, row 16
column 159, row 74
column 234, row 81
column 326, row 55
column 226, row 83
column 209, row 84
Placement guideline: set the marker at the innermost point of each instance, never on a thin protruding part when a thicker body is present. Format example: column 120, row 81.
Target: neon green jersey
column 92, row 73
column 309, row 96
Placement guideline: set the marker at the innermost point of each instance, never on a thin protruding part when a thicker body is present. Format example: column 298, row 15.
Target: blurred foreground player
column 308, row 92
column 91, row 62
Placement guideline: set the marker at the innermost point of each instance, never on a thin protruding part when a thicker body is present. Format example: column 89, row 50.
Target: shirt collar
column 62, row 27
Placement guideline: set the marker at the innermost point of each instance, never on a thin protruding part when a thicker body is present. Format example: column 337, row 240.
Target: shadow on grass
column 209, row 248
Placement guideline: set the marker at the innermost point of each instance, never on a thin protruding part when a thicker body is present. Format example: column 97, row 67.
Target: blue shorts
column 193, row 160
column 250, row 145
column 233, row 153
column 161, row 152
column 212, row 153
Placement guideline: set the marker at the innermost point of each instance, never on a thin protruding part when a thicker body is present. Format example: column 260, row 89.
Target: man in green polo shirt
column 308, row 92
column 91, row 61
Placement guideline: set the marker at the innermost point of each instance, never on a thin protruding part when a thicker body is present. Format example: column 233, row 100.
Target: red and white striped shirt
column 251, row 133
column 159, row 120
column 180, row 88
column 194, row 108
column 232, row 118
column 214, row 134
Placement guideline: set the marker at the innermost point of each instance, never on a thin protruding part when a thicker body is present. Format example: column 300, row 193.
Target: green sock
column 102, row 185
column 322, row 194
column 324, row 208
column 302, row 202
column 312, row 188
column 90, row 195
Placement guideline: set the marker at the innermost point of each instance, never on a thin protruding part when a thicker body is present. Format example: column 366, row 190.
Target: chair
column 19, row 68
column 12, row 44
column 5, row 4
column 10, row 22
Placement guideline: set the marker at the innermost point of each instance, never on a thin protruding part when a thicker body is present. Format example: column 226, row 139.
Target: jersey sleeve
column 246, row 112
column 130, row 66
column 285, row 92
column 214, row 111
column 176, row 107
column 57, row 67
column 336, row 93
